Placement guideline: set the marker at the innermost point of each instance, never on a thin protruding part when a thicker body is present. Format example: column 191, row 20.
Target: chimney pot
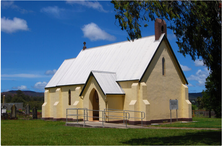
column 160, row 28
column 84, row 47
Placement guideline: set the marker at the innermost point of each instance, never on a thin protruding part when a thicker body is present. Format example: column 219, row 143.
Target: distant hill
column 41, row 94
column 195, row 95
column 29, row 93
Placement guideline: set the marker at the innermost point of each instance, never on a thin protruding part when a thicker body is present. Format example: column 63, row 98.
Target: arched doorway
column 94, row 105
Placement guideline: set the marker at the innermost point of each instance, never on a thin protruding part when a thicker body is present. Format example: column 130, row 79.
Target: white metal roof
column 107, row 82
column 60, row 73
column 128, row 60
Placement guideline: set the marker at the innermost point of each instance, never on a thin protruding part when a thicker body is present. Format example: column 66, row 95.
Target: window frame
column 163, row 67
column 69, row 97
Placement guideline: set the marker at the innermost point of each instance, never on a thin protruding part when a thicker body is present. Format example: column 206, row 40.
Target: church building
column 140, row 75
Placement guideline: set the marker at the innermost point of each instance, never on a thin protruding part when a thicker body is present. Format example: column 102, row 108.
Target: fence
column 109, row 115
column 202, row 113
column 132, row 115
column 9, row 105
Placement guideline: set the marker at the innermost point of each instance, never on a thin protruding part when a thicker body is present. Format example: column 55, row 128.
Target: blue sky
column 36, row 37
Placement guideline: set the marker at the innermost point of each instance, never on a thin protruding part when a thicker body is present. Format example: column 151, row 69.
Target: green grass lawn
column 201, row 123
column 39, row 132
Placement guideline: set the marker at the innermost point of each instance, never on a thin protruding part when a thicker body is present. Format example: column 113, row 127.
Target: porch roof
column 106, row 81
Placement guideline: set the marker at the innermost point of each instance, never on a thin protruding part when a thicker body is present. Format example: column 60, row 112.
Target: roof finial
column 84, row 47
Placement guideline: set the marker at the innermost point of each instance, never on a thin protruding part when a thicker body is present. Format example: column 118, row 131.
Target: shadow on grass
column 200, row 137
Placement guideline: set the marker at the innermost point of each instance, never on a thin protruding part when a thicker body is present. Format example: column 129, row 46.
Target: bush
column 194, row 107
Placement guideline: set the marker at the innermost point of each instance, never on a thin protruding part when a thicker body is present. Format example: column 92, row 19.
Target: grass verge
column 200, row 123
column 39, row 132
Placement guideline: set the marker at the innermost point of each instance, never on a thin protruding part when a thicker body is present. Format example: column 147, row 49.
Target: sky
column 36, row 37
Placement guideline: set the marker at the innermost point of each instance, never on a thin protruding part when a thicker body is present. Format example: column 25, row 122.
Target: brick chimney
column 160, row 28
column 84, row 47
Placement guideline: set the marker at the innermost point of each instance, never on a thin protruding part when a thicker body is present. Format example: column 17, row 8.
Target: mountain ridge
column 41, row 94
column 26, row 92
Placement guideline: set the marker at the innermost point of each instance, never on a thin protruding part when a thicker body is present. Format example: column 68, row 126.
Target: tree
column 200, row 102
column 8, row 98
column 210, row 97
column 17, row 98
column 26, row 99
column 196, row 25
column 194, row 107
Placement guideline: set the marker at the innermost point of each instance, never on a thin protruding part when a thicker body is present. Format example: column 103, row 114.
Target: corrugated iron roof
column 106, row 81
column 127, row 59
column 60, row 73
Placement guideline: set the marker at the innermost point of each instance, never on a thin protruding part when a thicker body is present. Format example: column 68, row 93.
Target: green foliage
column 210, row 97
column 8, row 98
column 131, row 14
column 196, row 25
column 37, row 104
column 21, row 97
column 39, row 132
column 200, row 103
column 194, row 107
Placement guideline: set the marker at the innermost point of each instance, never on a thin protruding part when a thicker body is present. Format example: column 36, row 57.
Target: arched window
column 163, row 66
column 69, row 100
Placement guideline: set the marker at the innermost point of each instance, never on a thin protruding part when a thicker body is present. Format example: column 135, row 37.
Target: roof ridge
column 124, row 60
column 118, row 43
column 103, row 71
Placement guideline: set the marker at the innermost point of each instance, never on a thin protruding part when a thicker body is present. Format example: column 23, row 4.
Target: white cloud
column 10, row 4
column 50, row 72
column 89, row 4
column 198, row 63
column 94, row 33
column 200, row 76
column 22, row 75
column 10, row 26
column 54, row 11
column 7, row 4
column 171, row 36
column 6, row 90
column 185, row 68
column 22, row 87
column 190, row 85
column 40, row 86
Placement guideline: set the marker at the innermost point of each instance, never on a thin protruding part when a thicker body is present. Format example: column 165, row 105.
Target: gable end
column 91, row 74
column 177, row 63
column 106, row 82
